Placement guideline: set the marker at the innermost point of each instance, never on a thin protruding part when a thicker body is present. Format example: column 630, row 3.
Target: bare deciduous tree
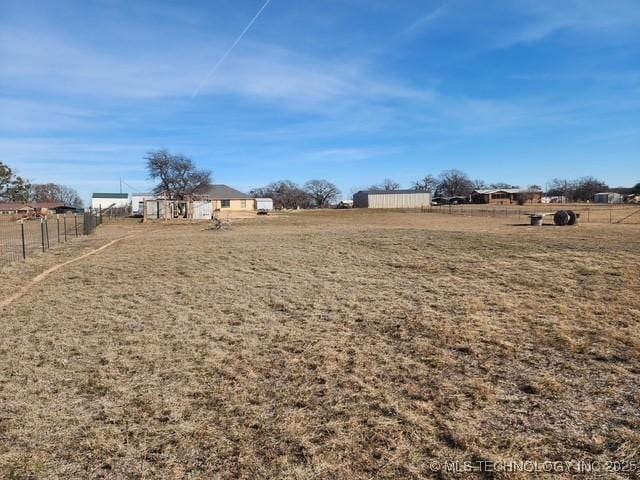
column 582, row 189
column 52, row 192
column 454, row 183
column 479, row 184
column 323, row 192
column 285, row 194
column 177, row 175
column 500, row 185
column 428, row 183
column 387, row 184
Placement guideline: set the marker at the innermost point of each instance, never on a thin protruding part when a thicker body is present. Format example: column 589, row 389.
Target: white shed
column 264, row 203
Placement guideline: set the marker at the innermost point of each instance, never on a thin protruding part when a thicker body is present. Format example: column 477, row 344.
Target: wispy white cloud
column 45, row 62
column 429, row 17
column 546, row 17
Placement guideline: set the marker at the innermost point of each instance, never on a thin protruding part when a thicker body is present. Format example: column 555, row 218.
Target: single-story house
column 391, row 199
column 109, row 200
column 506, row 196
column 225, row 198
column 12, row 208
column 607, row 197
column 48, row 208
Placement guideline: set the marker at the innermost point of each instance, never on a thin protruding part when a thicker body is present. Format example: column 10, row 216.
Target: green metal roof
column 110, row 195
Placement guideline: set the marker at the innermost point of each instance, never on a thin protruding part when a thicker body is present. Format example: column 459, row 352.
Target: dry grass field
column 325, row 345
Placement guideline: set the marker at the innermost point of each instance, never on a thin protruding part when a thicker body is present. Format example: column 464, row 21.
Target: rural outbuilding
column 137, row 203
column 391, row 199
column 163, row 209
column 109, row 200
column 264, row 204
column 607, row 197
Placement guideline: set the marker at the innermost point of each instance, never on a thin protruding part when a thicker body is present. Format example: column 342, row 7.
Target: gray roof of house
column 222, row 192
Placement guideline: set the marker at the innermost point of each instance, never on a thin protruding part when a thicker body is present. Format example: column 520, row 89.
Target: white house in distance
column 107, row 200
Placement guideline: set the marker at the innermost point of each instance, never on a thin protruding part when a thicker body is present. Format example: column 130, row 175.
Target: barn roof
column 222, row 192
column 48, row 205
column 110, row 195
column 390, row 192
column 13, row 206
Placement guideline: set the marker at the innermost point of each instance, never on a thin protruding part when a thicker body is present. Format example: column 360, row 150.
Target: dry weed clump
column 325, row 345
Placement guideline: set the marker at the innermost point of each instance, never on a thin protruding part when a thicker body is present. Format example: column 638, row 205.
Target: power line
column 226, row 54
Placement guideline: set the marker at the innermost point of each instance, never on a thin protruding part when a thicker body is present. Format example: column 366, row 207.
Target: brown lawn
column 348, row 344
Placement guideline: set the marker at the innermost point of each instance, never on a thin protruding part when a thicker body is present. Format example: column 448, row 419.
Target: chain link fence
column 23, row 238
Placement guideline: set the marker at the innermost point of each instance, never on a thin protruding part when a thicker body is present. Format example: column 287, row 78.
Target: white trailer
column 264, row 204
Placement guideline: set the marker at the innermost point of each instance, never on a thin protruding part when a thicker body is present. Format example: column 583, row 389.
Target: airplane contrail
column 226, row 54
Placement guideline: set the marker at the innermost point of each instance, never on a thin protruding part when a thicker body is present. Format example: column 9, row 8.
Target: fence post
column 64, row 222
column 42, row 232
column 46, row 229
column 24, row 246
column 610, row 216
column 58, row 222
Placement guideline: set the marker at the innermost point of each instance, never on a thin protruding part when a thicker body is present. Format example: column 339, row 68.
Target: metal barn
column 391, row 199
column 607, row 197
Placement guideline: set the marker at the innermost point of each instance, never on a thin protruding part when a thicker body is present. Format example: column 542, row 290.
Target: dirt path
column 40, row 277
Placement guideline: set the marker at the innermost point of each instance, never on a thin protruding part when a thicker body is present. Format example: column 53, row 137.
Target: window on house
column 225, row 203
column 243, row 204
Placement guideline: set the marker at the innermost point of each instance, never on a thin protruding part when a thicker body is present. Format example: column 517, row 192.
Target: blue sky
column 516, row 91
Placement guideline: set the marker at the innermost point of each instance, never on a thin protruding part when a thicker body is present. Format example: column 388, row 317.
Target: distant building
column 48, row 208
column 391, row 199
column 554, row 199
column 607, row 197
column 506, row 196
column 109, row 200
column 264, row 204
column 12, row 208
column 225, row 198
column 137, row 203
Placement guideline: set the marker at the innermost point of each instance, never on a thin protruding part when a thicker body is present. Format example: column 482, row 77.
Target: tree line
column 455, row 183
column 449, row 183
column 14, row 188
column 178, row 177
